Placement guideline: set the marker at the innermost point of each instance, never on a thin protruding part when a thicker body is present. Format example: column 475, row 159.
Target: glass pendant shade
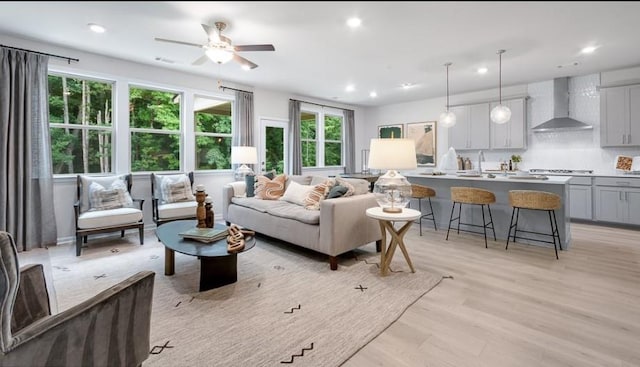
column 447, row 119
column 500, row 114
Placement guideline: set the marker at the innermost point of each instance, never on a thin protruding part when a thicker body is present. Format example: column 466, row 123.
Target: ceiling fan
column 219, row 48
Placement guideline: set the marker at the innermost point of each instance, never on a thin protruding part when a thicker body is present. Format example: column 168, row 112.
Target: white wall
column 267, row 103
column 565, row 150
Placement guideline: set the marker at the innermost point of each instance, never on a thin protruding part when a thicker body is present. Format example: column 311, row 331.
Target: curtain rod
column 239, row 90
column 69, row 59
column 323, row 105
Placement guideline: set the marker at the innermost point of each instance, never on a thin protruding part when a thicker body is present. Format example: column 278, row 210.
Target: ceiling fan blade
column 211, row 32
column 254, row 48
column 201, row 60
column 244, row 62
column 178, row 42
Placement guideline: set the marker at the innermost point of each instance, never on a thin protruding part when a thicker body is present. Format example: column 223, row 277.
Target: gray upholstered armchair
column 110, row 329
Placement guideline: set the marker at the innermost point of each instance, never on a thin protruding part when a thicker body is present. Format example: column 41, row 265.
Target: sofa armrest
column 32, row 300
column 227, row 195
column 344, row 224
column 84, row 335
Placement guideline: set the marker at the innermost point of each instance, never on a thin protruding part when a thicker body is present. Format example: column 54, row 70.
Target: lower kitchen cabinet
column 580, row 202
column 618, row 204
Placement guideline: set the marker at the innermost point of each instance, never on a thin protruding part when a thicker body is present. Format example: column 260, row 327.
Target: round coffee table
column 217, row 266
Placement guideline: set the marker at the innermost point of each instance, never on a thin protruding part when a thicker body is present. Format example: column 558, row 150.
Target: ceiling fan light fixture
column 447, row 118
column 219, row 55
column 500, row 114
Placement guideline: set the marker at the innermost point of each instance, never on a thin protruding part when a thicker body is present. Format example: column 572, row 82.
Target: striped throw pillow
column 315, row 196
column 267, row 189
column 116, row 196
column 176, row 189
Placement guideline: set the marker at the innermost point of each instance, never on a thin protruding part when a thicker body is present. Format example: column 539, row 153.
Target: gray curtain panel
column 243, row 122
column 295, row 143
column 349, row 142
column 26, row 178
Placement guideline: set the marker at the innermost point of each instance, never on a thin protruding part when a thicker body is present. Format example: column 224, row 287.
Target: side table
column 386, row 221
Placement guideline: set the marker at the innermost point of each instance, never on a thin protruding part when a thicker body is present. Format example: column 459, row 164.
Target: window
column 212, row 120
column 308, row 126
column 80, row 112
column 154, row 119
column 321, row 138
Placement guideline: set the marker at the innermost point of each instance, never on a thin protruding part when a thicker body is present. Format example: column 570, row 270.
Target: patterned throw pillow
column 116, row 196
column 315, row 196
column 267, row 189
column 176, row 189
column 345, row 183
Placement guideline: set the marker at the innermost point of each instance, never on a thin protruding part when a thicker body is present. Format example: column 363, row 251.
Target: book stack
column 206, row 235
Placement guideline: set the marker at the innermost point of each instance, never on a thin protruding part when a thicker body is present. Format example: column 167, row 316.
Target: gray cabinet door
column 632, row 198
column 633, row 138
column 580, row 202
column 459, row 133
column 614, row 116
column 479, row 126
column 500, row 133
column 518, row 124
column 609, row 204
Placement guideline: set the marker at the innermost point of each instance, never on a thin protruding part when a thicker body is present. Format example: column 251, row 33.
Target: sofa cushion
column 360, row 186
column 317, row 180
column 296, row 193
column 254, row 203
column 267, row 189
column 302, row 180
column 112, row 197
column 108, row 218
column 295, row 212
column 174, row 210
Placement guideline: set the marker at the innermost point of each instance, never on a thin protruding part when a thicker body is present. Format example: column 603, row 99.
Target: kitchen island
column 530, row 220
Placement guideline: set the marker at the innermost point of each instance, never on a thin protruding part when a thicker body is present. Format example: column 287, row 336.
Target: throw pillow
column 337, row 191
column 176, row 189
column 116, row 196
column 267, row 189
column 296, row 193
column 315, row 196
column 349, row 186
column 270, row 175
column 250, row 181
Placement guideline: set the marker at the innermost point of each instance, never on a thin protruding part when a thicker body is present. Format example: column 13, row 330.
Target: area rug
column 287, row 308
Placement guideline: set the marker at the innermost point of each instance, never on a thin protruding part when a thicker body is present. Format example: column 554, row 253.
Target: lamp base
column 241, row 172
column 394, row 210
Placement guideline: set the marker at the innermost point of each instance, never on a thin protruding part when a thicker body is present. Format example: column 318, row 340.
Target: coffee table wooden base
column 218, row 271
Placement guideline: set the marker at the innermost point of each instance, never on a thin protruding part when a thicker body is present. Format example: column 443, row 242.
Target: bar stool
column 423, row 192
column 534, row 200
column 472, row 196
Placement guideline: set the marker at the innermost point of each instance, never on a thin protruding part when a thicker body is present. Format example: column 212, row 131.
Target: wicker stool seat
column 472, row 196
column 534, row 200
column 420, row 192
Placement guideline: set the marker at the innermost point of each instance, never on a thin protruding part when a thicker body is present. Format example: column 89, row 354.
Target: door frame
column 279, row 123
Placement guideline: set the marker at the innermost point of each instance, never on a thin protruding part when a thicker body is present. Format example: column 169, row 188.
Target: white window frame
column 159, row 131
column 215, row 135
column 110, row 129
column 320, row 112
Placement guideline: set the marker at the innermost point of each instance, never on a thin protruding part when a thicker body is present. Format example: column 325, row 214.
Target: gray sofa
column 340, row 225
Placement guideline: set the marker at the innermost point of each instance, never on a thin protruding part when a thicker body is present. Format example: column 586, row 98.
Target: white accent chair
column 93, row 221
column 163, row 211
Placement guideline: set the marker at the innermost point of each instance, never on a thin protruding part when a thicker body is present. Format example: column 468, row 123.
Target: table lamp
column 392, row 190
column 243, row 156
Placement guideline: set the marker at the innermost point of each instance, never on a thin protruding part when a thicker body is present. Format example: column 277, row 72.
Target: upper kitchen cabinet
column 620, row 116
column 511, row 135
column 471, row 131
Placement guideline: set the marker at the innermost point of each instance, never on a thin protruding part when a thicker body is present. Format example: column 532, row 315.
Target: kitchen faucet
column 480, row 160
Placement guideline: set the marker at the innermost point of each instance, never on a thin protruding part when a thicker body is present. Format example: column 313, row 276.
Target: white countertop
column 553, row 180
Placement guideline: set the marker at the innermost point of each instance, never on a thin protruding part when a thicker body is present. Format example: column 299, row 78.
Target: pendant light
column 500, row 114
column 447, row 118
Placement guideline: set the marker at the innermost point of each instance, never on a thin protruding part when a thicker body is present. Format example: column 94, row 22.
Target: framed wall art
column 390, row 131
column 424, row 135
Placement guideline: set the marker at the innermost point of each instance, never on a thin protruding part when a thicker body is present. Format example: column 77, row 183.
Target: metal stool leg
column 433, row 216
column 510, row 227
column 420, row 210
column 493, row 227
column 557, row 230
column 553, row 234
column 453, row 207
column 459, row 216
column 484, row 227
column 515, row 228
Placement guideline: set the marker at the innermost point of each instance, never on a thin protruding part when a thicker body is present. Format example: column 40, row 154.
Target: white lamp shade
column 396, row 154
column 447, row 119
column 500, row 114
column 219, row 55
column 244, row 155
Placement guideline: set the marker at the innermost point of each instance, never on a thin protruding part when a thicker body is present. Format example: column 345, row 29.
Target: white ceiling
column 317, row 55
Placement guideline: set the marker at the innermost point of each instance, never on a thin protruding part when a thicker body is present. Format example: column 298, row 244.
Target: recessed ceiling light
column 588, row 50
column 354, row 22
column 246, row 67
column 96, row 28
column 373, row 94
column 407, row 85
column 482, row 70
column 350, row 88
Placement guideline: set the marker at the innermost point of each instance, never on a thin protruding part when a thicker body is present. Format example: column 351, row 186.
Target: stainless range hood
column 561, row 120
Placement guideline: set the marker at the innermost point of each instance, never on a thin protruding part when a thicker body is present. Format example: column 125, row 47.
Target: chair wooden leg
column 122, row 233
column 378, row 245
column 141, row 233
column 78, row 245
column 85, row 238
column 333, row 262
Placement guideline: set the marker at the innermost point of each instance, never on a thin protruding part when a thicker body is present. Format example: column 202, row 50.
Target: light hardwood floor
column 520, row 307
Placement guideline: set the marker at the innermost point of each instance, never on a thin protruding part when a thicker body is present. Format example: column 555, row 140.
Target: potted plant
column 516, row 159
